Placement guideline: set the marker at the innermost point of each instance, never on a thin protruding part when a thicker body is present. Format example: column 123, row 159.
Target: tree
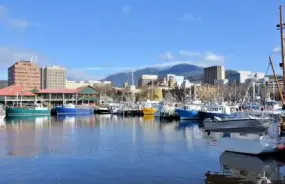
column 35, row 90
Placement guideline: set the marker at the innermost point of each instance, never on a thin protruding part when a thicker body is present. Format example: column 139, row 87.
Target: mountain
column 192, row 72
column 187, row 70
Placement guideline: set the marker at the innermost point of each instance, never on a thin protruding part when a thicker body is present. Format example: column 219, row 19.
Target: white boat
column 164, row 109
column 252, row 124
column 250, row 143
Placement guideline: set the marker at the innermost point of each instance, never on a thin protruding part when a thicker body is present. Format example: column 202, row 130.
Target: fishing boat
column 32, row 110
column 74, row 109
column 165, row 110
column 188, row 112
column 238, row 124
column 215, row 110
column 149, row 108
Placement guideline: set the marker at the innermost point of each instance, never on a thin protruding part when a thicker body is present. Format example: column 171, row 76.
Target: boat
column 74, row 109
column 164, row 110
column 149, row 108
column 187, row 113
column 238, row 124
column 215, row 110
column 32, row 110
column 102, row 110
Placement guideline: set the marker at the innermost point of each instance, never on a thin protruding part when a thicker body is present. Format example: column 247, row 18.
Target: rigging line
column 267, row 69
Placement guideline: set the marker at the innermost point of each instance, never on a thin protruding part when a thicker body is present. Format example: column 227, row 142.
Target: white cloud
column 187, row 17
column 126, row 9
column 17, row 23
column 9, row 55
column 202, row 59
column 210, row 56
column 167, row 56
column 81, row 74
column 276, row 50
column 14, row 22
column 2, row 11
column 187, row 53
column 94, row 68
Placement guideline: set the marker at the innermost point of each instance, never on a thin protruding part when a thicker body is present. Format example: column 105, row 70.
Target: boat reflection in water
column 239, row 168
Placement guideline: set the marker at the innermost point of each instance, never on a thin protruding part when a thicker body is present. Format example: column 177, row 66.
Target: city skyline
column 110, row 37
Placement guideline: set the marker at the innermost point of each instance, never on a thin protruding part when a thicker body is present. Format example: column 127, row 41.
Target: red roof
column 57, row 91
column 14, row 90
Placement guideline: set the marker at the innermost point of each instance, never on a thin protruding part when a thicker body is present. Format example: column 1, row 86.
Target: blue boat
column 204, row 115
column 186, row 114
column 72, row 109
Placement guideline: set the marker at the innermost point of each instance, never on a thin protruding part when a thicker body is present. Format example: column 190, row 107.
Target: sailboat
column 150, row 107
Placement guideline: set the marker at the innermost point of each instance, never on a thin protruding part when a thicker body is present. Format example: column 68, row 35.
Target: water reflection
column 239, row 168
column 106, row 148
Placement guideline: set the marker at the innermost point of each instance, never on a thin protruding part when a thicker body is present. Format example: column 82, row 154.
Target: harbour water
column 112, row 149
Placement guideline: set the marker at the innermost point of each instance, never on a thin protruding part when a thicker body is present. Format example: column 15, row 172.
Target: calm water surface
column 110, row 149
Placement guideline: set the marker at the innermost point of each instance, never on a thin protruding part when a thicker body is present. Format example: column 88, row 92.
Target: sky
column 95, row 38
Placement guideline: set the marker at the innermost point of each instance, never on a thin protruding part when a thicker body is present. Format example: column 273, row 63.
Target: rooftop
column 57, row 91
column 14, row 91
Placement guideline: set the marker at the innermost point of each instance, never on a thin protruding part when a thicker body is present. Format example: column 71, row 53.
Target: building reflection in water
column 239, row 168
column 36, row 135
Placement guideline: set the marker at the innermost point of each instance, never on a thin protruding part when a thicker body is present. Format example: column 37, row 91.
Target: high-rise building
column 25, row 74
column 53, row 77
column 74, row 84
column 242, row 76
column 213, row 73
column 147, row 80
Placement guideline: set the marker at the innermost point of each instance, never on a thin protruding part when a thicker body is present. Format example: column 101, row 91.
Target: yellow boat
column 148, row 111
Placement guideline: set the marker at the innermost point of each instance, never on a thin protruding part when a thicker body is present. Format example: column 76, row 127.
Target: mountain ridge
column 188, row 70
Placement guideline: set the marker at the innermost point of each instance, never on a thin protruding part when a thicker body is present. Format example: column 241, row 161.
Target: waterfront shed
column 12, row 95
column 86, row 94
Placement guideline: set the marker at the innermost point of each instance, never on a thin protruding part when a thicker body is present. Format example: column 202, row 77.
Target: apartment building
column 53, row 77
column 213, row 73
column 25, row 74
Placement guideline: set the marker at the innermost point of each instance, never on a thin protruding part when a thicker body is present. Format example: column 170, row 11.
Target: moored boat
column 74, row 109
column 252, row 143
column 187, row 114
column 149, row 108
column 238, row 124
column 34, row 110
column 102, row 110
column 212, row 111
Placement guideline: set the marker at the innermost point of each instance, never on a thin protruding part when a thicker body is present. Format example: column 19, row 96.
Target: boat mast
column 281, row 26
column 276, row 80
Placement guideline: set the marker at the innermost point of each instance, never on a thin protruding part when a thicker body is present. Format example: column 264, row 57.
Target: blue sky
column 94, row 38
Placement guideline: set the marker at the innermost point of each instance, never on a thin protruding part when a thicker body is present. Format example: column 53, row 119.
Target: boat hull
column 187, row 114
column 236, row 125
column 103, row 111
column 26, row 112
column 149, row 111
column 64, row 110
column 246, row 146
column 204, row 115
